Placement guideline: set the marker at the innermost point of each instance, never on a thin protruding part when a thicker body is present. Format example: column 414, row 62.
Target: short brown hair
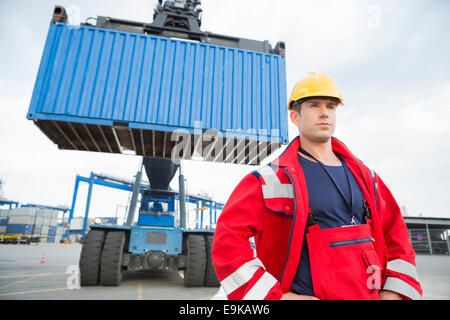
column 297, row 105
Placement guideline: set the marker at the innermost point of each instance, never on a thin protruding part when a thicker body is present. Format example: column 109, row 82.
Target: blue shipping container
column 107, row 91
column 52, row 230
column 51, row 238
column 19, row 229
column 4, row 222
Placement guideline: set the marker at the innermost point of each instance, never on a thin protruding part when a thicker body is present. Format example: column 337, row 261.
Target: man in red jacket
column 324, row 225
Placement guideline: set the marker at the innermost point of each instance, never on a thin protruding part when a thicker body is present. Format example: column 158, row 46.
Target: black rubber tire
column 194, row 275
column 111, row 260
column 90, row 258
column 211, row 279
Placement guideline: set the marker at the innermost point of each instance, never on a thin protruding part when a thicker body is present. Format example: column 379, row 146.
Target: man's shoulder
column 366, row 167
column 260, row 174
column 270, row 174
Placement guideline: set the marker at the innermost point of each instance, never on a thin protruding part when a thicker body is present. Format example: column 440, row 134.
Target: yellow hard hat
column 315, row 84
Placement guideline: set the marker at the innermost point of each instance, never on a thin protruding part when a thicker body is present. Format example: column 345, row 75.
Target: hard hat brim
column 301, row 100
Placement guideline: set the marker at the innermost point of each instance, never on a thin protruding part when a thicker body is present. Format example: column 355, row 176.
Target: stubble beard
column 318, row 138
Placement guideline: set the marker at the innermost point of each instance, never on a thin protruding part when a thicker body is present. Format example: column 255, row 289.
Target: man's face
column 317, row 119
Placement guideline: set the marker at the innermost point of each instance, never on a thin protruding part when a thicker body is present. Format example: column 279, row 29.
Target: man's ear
column 294, row 118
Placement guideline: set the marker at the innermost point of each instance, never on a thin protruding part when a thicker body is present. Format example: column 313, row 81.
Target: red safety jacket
column 271, row 205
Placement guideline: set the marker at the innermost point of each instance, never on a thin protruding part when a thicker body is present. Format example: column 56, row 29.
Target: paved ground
column 434, row 275
column 23, row 276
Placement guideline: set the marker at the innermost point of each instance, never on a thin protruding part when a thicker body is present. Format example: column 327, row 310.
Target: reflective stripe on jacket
column 271, row 205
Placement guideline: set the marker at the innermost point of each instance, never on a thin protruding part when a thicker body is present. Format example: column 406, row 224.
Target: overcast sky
column 390, row 60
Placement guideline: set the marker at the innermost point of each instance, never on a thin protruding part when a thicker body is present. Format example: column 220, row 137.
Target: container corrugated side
column 18, row 219
column 4, row 213
column 37, row 229
column 106, row 90
column 44, row 230
column 23, row 211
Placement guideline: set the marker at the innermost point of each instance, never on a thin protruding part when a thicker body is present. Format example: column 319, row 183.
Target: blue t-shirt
column 329, row 208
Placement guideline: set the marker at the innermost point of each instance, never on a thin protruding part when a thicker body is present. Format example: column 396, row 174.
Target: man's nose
column 324, row 111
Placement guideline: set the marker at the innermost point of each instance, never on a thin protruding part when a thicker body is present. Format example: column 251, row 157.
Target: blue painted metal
column 4, row 222
column 122, row 184
column 97, row 76
column 101, row 180
column 109, row 220
column 156, row 220
column 210, row 214
column 144, row 220
column 157, row 200
column 88, row 200
column 201, row 215
column 74, row 198
column 199, row 230
column 140, row 245
column 9, row 203
column 157, row 208
column 42, row 206
column 196, row 215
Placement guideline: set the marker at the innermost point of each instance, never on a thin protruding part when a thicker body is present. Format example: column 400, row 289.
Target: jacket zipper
column 349, row 242
column 292, row 228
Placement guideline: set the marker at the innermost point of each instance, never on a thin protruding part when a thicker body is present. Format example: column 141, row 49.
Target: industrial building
column 429, row 235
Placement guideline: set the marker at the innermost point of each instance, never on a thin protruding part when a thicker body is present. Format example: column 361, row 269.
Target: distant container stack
column 32, row 221
column 3, row 221
column 21, row 220
column 4, row 213
column 59, row 233
column 48, row 220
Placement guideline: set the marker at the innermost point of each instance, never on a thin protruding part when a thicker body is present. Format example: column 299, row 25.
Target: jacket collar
column 289, row 156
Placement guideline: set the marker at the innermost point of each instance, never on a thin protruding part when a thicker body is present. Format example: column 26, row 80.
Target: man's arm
column 401, row 273
column 241, row 274
column 293, row 296
column 389, row 295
